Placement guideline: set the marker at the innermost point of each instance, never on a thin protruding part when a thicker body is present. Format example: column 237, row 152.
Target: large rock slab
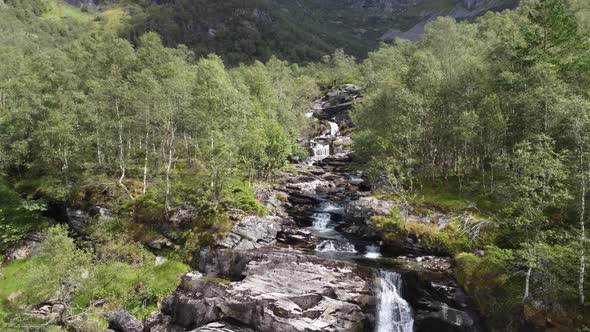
column 281, row 290
column 253, row 232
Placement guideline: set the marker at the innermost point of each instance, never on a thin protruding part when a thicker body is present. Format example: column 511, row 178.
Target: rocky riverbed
column 317, row 263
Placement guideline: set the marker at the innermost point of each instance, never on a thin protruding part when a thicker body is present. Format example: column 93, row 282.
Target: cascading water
column 330, row 207
column 320, row 150
column 320, row 221
column 335, row 246
column 334, row 129
column 394, row 314
column 372, row 251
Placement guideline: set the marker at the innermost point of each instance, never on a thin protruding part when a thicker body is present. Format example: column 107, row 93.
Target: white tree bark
column 171, row 137
column 122, row 152
column 527, row 282
column 582, row 234
column 145, row 162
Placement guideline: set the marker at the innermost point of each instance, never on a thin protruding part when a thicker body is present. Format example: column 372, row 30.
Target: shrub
column 241, row 195
column 61, row 267
column 137, row 289
column 492, row 283
column 394, row 228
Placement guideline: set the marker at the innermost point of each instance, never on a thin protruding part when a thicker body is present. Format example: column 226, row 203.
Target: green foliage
column 137, row 289
column 241, row 195
column 395, row 227
column 18, row 217
column 60, row 268
column 493, row 284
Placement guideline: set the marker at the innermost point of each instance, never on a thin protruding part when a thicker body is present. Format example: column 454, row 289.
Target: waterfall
column 320, row 221
column 334, row 129
column 320, row 151
column 335, row 246
column 326, row 246
column 372, row 251
column 393, row 312
column 330, row 207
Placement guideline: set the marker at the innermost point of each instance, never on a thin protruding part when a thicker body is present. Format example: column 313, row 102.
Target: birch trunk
column 122, row 153
column 527, row 282
column 145, row 162
column 582, row 234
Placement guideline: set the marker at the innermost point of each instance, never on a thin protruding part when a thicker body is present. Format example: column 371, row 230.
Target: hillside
column 298, row 31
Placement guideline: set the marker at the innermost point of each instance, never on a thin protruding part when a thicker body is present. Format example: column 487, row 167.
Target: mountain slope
column 297, row 30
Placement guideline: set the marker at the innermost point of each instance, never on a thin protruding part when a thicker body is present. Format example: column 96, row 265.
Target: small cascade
column 394, row 314
column 334, row 129
column 335, row 246
column 372, row 251
column 320, row 151
column 330, row 207
column 321, row 221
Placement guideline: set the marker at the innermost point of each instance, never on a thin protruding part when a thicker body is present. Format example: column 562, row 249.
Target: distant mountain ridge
column 296, row 30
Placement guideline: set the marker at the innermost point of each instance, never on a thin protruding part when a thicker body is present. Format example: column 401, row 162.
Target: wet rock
column 122, row 321
column 282, row 290
column 439, row 303
column 78, row 219
column 300, row 238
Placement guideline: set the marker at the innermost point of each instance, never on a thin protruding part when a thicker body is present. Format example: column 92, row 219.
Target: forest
column 488, row 121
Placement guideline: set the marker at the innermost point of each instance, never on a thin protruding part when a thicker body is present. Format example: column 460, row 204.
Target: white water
column 393, row 312
column 335, row 246
column 330, row 207
column 320, row 221
column 334, row 129
column 320, row 151
column 372, row 251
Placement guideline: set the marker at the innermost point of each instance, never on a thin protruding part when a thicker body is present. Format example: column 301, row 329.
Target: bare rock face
column 281, row 290
column 252, row 232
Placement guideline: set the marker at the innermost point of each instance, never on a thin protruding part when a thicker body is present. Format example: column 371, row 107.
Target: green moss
column 217, row 280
